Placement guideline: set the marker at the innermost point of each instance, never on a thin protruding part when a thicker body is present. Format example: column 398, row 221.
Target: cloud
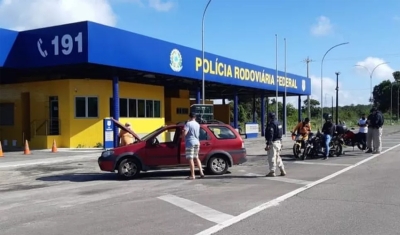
column 23, row 15
column 160, row 5
column 322, row 27
column 396, row 18
column 383, row 72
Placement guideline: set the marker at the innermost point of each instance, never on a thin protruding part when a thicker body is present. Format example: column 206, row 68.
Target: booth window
column 182, row 111
column 127, row 107
column 135, row 108
column 86, row 107
column 6, row 114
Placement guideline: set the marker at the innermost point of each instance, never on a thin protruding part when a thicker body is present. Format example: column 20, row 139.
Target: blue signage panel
column 7, row 39
column 52, row 46
column 133, row 51
column 108, row 133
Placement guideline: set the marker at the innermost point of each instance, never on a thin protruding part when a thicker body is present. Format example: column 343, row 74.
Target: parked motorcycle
column 352, row 139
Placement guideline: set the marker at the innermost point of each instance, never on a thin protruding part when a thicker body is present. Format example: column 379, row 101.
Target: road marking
column 321, row 163
column 197, row 209
column 276, row 201
column 281, row 179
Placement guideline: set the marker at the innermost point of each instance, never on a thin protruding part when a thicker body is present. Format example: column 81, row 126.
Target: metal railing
column 46, row 127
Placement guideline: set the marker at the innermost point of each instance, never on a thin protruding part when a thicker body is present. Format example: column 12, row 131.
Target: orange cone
column 1, row 151
column 26, row 150
column 54, row 147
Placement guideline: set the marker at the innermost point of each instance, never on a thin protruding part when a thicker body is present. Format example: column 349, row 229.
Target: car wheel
column 129, row 168
column 218, row 165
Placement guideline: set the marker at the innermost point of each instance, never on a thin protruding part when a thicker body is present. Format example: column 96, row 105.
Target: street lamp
column 202, row 50
column 276, row 75
column 370, row 77
column 322, row 86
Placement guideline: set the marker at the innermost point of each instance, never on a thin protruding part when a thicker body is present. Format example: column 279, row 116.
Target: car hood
column 121, row 126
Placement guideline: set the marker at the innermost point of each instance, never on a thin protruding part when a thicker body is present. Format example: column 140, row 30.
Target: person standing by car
column 375, row 123
column 328, row 129
column 126, row 137
column 273, row 137
column 362, row 123
column 191, row 133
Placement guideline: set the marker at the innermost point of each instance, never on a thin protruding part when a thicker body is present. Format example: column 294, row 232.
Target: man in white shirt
column 362, row 123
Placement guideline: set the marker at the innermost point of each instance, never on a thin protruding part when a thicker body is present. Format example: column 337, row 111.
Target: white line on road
column 197, row 209
column 321, row 163
column 281, row 179
column 282, row 198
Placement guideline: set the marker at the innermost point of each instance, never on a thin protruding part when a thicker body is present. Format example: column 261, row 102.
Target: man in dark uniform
column 273, row 137
column 370, row 133
column 375, row 123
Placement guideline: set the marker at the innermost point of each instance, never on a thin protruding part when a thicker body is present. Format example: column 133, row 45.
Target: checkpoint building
column 59, row 83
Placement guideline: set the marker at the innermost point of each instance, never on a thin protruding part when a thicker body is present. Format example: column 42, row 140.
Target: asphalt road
column 74, row 197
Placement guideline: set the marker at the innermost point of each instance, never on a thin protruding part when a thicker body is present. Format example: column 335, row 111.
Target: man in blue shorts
column 191, row 133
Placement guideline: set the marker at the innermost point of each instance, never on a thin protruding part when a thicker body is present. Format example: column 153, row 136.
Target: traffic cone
column 54, row 147
column 1, row 151
column 26, row 150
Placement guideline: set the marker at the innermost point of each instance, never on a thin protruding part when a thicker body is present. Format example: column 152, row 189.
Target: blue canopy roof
column 88, row 42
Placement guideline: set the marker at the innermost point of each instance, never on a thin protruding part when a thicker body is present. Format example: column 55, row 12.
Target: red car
column 221, row 147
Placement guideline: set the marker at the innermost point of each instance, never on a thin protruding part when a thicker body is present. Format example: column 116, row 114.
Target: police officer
column 273, row 137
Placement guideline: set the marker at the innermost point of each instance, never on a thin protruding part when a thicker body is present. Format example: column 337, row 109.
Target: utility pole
column 337, row 97
column 308, row 61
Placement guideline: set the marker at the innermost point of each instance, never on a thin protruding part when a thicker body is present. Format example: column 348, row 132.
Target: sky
column 245, row 30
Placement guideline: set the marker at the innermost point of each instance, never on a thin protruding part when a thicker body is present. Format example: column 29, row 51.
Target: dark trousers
column 363, row 138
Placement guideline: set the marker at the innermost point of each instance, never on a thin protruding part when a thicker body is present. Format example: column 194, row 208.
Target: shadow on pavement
column 159, row 175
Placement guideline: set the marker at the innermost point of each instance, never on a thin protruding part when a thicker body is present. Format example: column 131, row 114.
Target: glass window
column 132, row 108
column 203, row 134
column 123, row 107
column 149, row 108
column 80, row 107
column 7, row 114
column 157, row 108
column 167, row 136
column 141, row 108
column 222, row 132
column 92, row 107
column 111, row 107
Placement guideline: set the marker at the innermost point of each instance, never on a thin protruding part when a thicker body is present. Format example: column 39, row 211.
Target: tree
column 382, row 96
column 314, row 107
column 396, row 76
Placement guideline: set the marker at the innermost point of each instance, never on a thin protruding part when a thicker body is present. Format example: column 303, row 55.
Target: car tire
column 129, row 168
column 218, row 165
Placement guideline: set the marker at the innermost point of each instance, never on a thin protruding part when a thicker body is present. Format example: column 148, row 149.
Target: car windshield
column 146, row 137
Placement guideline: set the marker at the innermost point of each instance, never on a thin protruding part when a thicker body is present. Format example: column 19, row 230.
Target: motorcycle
column 315, row 146
column 352, row 139
column 298, row 145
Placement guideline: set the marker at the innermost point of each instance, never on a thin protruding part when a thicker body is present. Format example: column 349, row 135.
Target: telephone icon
column 39, row 46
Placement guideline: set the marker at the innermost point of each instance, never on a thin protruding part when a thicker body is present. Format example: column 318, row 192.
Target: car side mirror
column 352, row 128
column 155, row 141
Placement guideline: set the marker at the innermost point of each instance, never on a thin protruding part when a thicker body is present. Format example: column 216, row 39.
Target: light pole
column 337, row 98
column 322, row 83
column 398, row 103
column 276, row 75
column 202, row 50
column 371, row 99
column 285, row 109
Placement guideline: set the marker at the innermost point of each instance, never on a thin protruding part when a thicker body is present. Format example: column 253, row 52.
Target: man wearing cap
column 191, row 133
column 126, row 137
column 273, row 137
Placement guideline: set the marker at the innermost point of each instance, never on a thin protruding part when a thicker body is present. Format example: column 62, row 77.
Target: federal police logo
column 175, row 60
column 303, row 85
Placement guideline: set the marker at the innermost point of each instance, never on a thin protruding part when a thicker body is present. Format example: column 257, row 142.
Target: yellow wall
column 75, row 132
column 222, row 113
column 39, row 93
column 172, row 104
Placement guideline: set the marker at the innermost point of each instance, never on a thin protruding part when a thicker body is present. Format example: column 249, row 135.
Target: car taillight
column 242, row 144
